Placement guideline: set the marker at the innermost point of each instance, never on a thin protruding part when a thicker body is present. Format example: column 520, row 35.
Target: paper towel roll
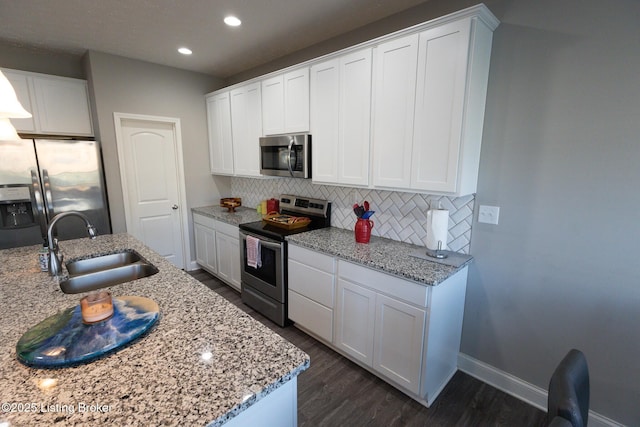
column 437, row 228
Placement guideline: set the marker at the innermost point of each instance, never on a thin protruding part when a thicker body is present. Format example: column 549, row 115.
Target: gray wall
column 40, row 61
column 130, row 86
column 561, row 157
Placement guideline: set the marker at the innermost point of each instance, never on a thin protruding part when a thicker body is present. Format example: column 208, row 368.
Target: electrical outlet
column 489, row 214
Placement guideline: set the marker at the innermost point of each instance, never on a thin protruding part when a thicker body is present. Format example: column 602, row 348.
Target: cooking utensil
column 359, row 211
column 367, row 214
column 366, row 205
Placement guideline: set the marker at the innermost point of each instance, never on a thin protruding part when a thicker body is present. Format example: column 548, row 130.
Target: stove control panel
column 305, row 205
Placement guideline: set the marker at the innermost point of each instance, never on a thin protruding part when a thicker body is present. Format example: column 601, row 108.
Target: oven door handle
column 265, row 243
column 274, row 246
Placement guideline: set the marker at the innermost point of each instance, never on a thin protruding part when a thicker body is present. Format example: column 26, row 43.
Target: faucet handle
column 93, row 233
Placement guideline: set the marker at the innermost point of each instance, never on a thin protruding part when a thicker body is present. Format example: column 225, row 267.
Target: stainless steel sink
column 104, row 262
column 107, row 270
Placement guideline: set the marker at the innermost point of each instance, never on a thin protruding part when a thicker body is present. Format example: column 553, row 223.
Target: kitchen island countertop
column 386, row 255
column 203, row 363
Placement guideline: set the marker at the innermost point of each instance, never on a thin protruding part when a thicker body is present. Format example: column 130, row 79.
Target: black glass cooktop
column 272, row 231
column 319, row 211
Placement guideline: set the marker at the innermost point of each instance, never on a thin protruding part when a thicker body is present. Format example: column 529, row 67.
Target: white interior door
column 149, row 152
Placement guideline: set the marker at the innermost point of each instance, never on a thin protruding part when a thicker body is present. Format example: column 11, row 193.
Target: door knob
column 174, row 207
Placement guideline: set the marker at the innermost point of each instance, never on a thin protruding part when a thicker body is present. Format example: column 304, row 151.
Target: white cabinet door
column 311, row 291
column 354, row 321
column 399, row 337
column 205, row 247
column 285, row 102
column 228, row 259
column 341, row 119
column 273, row 105
column 246, row 126
column 442, row 72
column 355, row 118
column 59, row 105
column 63, row 106
column 325, row 119
column 220, row 138
column 395, row 86
column 296, row 101
column 21, row 83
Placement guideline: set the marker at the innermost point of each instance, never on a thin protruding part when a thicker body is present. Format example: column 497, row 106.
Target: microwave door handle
column 39, row 203
column 289, row 158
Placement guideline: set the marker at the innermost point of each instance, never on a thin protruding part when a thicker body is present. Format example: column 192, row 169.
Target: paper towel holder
column 438, row 253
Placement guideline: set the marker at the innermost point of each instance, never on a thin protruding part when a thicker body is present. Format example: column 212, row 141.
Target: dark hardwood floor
column 336, row 392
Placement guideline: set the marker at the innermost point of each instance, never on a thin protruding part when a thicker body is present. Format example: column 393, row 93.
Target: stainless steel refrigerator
column 41, row 178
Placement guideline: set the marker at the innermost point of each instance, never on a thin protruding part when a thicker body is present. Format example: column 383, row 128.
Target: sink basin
column 107, row 270
column 104, row 262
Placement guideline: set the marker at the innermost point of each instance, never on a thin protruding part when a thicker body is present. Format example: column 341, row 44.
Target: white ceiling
column 152, row 30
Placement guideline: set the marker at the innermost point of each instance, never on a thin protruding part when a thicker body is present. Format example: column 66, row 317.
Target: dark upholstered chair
column 569, row 392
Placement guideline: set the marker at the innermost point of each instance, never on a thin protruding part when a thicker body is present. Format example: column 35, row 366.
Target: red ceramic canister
column 273, row 205
column 363, row 230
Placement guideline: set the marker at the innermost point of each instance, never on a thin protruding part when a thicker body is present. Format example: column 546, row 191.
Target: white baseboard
column 193, row 266
column 514, row 386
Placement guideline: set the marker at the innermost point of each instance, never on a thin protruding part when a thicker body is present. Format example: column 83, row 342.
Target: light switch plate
column 489, row 214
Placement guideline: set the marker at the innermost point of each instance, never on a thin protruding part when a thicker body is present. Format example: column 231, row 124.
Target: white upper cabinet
column 220, row 138
column 246, row 126
column 395, row 86
column 429, row 108
column 403, row 112
column 59, row 105
column 437, row 132
column 341, row 119
column 285, row 102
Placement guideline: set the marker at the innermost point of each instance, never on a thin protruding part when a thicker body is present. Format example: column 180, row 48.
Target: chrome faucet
column 55, row 259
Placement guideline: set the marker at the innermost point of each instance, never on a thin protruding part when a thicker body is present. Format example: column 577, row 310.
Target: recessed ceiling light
column 185, row 51
column 232, row 21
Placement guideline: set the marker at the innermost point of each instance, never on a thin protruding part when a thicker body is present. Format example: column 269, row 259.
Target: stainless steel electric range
column 264, row 276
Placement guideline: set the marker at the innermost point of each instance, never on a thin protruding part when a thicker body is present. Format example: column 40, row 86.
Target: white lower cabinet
column 355, row 317
column 218, row 249
column 398, row 338
column 311, row 291
column 228, row 254
column 205, row 237
column 405, row 332
column 383, row 332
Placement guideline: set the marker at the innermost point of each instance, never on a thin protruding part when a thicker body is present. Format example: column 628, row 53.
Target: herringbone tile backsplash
column 399, row 216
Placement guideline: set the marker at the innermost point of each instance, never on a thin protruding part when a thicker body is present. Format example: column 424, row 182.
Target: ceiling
column 152, row 30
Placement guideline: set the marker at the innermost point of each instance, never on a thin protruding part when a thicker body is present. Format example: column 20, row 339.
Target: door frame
column 118, row 118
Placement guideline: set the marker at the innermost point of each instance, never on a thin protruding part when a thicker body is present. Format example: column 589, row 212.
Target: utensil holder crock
column 363, row 230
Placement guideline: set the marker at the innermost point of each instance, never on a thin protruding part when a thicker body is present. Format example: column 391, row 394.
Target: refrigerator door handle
column 48, row 198
column 39, row 203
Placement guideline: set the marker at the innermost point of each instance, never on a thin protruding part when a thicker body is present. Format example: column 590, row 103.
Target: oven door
column 269, row 277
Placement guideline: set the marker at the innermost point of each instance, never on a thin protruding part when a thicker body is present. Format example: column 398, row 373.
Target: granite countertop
column 240, row 216
column 386, row 255
column 161, row 379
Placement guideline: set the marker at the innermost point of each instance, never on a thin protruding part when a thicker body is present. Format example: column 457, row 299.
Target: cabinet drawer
column 314, row 284
column 309, row 257
column 228, row 229
column 404, row 290
column 204, row 220
column 311, row 315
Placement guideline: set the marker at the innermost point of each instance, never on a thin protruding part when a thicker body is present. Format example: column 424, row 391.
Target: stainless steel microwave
column 286, row 155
